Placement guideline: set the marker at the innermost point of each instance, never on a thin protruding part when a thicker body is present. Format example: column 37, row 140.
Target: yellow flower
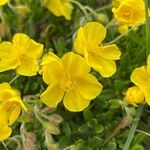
column 134, row 96
column 10, row 104
column 5, row 132
column 22, row 54
column 3, row 2
column 59, row 8
column 68, row 79
column 130, row 12
column 141, row 78
column 100, row 57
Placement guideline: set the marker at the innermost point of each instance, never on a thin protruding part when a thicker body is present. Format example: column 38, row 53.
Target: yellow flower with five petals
column 59, row 8
column 130, row 12
column 100, row 57
column 68, row 79
column 22, row 55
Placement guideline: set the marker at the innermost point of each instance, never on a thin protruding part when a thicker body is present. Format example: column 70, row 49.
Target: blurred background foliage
column 105, row 124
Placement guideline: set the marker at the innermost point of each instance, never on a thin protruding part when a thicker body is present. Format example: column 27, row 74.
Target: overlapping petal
column 75, row 65
column 104, row 66
column 7, row 59
column 88, row 86
column 74, row 102
column 110, row 52
column 28, row 66
column 52, row 96
column 23, row 45
column 52, row 68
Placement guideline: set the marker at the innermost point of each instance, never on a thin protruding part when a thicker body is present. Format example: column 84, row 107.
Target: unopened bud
column 22, row 10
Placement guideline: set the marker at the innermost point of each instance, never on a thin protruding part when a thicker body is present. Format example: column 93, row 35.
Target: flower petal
column 111, row 52
column 7, row 59
column 74, row 64
column 94, row 33
column 19, row 101
column 52, row 96
column 5, row 132
column 14, row 115
column 60, row 8
column 52, row 68
column 104, row 66
column 74, row 102
column 26, row 46
column 28, row 66
column 89, row 87
column 80, row 43
column 140, row 77
column 3, row 114
column 2, row 2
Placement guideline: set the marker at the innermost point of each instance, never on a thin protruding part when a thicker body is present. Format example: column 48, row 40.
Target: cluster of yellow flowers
column 10, row 108
column 68, row 78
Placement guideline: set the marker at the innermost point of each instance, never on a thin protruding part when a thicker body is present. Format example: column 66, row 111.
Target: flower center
column 11, row 106
column 67, row 84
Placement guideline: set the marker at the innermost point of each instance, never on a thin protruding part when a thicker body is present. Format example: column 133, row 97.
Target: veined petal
column 5, row 132
column 67, row 9
column 52, row 68
column 25, row 46
column 52, row 96
column 3, row 114
column 74, row 64
column 19, row 101
column 14, row 114
column 89, row 87
column 104, row 66
column 94, row 33
column 8, row 64
column 60, row 8
column 140, row 77
column 80, row 43
column 28, row 66
column 74, row 102
column 111, row 52
column 8, row 61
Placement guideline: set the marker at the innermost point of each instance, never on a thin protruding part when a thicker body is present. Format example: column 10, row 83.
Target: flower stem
column 133, row 128
column 147, row 29
column 80, row 6
column 17, row 76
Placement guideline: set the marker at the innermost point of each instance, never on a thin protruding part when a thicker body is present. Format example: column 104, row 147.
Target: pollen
column 67, row 84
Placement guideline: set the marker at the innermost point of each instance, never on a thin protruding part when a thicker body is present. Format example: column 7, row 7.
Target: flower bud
column 22, row 10
column 134, row 96
column 102, row 18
